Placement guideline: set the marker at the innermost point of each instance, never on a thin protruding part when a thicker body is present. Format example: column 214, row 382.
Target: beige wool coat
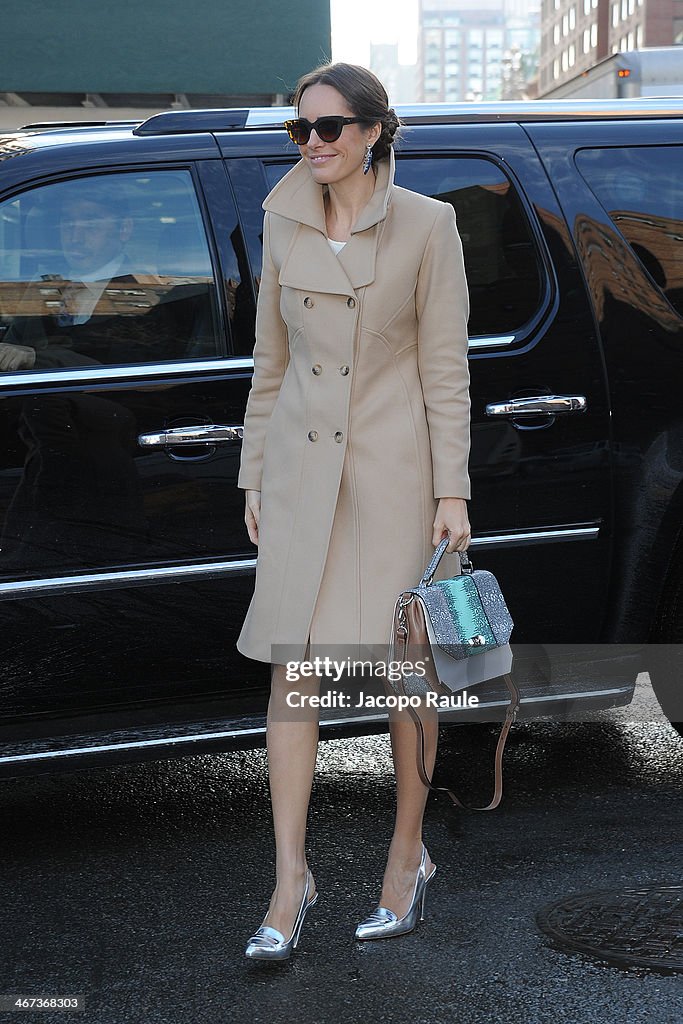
column 358, row 418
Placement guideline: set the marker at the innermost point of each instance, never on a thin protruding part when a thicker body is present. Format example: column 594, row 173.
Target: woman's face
column 334, row 162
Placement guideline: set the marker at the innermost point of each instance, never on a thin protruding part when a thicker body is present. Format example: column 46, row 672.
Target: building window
column 586, row 6
column 629, row 41
column 639, row 36
column 556, row 68
column 631, row 6
column 624, row 10
column 615, row 15
column 586, row 40
column 556, row 34
column 572, row 55
column 572, row 18
column 565, row 61
column 594, row 34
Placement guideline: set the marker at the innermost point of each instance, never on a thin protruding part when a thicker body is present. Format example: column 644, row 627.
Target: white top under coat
column 336, row 246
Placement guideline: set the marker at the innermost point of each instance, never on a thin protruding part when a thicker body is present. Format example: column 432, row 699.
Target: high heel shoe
column 384, row 923
column 269, row 944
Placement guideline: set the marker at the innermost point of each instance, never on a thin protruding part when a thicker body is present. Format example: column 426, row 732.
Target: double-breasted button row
column 313, row 436
column 317, row 369
column 309, row 303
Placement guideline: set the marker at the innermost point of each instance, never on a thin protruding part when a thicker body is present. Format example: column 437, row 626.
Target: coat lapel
column 310, row 263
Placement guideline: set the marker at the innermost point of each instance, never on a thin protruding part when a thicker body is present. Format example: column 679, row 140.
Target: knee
column 284, row 682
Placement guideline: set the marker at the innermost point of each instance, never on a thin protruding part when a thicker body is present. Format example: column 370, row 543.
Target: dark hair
column 365, row 95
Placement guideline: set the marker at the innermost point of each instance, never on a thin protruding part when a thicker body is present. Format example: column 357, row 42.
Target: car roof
column 188, row 122
column 199, row 128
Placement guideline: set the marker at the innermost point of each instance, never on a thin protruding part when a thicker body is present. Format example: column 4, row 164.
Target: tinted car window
column 113, row 268
column 640, row 189
column 501, row 261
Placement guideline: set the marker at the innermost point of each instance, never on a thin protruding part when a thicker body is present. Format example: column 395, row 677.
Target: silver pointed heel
column 269, row 944
column 384, row 923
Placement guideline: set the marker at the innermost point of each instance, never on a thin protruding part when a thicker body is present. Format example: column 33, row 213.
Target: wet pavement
column 138, row 886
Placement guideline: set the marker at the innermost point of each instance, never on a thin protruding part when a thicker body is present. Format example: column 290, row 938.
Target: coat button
column 308, row 302
column 339, row 437
column 312, row 435
column 351, row 303
column 316, row 369
column 343, row 370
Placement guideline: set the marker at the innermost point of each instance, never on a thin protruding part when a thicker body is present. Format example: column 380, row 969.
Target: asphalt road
column 138, row 886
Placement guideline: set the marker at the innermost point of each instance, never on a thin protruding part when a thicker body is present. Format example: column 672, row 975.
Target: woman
column 356, row 444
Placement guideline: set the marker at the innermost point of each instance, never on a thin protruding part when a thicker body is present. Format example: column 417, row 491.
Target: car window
column 501, row 260
column 501, row 257
column 640, row 188
column 107, row 269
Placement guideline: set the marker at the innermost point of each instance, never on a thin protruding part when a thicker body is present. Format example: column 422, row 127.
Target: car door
column 619, row 184
column 125, row 566
column 540, row 460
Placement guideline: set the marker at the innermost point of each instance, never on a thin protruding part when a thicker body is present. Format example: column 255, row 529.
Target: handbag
column 461, row 627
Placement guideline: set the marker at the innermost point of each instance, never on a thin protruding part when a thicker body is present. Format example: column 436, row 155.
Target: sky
column 357, row 23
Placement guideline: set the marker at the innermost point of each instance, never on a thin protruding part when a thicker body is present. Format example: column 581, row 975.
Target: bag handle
column 465, row 564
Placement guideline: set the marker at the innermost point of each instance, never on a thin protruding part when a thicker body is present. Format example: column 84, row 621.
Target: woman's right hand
column 252, row 514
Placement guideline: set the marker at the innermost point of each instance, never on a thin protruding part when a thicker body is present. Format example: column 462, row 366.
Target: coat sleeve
column 443, row 308
column 271, row 355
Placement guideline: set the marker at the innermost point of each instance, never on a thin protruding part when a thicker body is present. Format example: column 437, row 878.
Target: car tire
column 665, row 650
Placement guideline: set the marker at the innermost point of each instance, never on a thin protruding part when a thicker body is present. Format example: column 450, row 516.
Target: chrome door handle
column 213, row 433
column 538, row 405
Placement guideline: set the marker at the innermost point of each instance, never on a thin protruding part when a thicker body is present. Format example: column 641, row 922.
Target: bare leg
column 292, row 742
column 405, row 849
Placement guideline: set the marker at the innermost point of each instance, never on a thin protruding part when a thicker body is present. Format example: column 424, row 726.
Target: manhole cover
column 630, row 927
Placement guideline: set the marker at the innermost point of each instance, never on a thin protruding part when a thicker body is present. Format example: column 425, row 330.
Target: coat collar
column 310, row 263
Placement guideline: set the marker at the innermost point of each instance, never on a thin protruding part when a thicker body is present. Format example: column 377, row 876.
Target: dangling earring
column 368, row 160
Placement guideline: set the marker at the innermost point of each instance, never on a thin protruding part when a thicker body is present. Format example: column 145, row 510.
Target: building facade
column 397, row 79
column 576, row 34
column 476, row 49
column 70, row 60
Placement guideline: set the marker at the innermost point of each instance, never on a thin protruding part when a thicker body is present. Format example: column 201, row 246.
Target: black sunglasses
column 328, row 129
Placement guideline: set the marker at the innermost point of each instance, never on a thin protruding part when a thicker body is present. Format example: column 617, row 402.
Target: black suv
column 130, row 256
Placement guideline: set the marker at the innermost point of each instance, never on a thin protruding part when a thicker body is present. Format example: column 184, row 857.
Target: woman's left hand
column 451, row 518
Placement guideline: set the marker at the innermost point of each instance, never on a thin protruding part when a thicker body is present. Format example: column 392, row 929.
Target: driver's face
column 91, row 234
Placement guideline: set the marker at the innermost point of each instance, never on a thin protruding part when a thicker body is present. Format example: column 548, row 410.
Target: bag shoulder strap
column 401, row 629
column 510, row 715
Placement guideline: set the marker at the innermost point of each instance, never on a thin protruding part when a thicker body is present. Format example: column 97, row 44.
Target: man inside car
column 66, row 315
